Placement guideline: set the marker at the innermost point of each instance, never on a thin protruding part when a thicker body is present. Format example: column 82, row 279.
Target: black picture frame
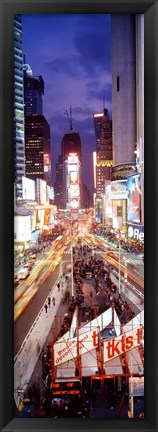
column 8, row 8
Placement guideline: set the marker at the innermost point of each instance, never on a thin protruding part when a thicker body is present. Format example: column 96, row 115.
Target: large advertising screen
column 108, row 202
column 134, row 198
column 73, row 178
column 40, row 218
column 22, row 228
column 119, row 189
column 72, row 159
column 43, row 191
column 119, row 213
column 28, row 189
column 46, row 216
column 33, row 220
column 74, row 191
column 74, row 203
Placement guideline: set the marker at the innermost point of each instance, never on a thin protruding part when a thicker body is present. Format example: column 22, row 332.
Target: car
column 23, row 273
column 28, row 266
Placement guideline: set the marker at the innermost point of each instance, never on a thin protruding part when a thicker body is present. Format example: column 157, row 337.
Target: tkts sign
column 117, row 346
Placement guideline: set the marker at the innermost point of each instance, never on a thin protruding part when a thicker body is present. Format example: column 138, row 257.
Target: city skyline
column 76, row 72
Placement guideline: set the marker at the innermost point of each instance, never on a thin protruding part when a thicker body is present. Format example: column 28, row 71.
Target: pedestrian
column 53, row 300
column 46, row 307
column 49, row 301
column 58, row 285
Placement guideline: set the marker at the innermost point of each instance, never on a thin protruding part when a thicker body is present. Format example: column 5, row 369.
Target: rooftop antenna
column 69, row 116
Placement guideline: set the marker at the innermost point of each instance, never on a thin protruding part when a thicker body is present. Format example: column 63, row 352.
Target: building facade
column 103, row 156
column 19, row 130
column 37, row 148
column 33, row 92
column 72, row 170
column 123, row 88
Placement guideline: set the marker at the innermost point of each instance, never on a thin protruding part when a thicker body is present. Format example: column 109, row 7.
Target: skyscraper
column 104, row 160
column 123, row 88
column 37, row 147
column 19, row 138
column 37, row 129
column 72, row 174
column 33, row 91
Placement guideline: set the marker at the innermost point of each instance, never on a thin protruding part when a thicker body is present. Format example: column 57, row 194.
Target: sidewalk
column 27, row 357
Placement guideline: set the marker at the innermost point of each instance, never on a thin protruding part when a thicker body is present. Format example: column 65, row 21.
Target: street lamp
column 125, row 273
column 119, row 237
column 72, row 279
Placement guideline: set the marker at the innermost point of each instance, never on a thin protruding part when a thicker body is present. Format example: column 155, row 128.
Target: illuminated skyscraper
column 104, row 160
column 72, row 177
column 37, row 148
column 19, row 139
column 37, row 129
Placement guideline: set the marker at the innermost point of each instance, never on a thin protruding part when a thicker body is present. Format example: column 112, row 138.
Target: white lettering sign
column 135, row 233
column 68, row 350
column 117, row 346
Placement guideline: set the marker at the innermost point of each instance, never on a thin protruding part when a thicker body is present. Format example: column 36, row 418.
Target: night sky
column 73, row 55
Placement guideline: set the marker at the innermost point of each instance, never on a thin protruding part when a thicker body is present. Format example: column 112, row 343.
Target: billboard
column 73, row 178
column 74, row 191
column 40, row 218
column 121, row 344
column 51, row 193
column 108, row 203
column 74, row 203
column 119, row 213
column 68, row 349
column 22, row 228
column 72, row 160
column 28, row 189
column 43, row 191
column 134, row 198
column 46, row 216
column 135, row 232
column 119, row 189
column 33, row 220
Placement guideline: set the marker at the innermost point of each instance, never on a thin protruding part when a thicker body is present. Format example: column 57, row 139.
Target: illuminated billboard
column 119, row 189
column 72, row 181
column 74, row 191
column 74, row 203
column 22, row 228
column 28, row 189
column 46, row 216
column 72, row 159
column 119, row 214
column 73, row 178
column 134, row 198
column 40, row 218
column 33, row 220
column 108, row 202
